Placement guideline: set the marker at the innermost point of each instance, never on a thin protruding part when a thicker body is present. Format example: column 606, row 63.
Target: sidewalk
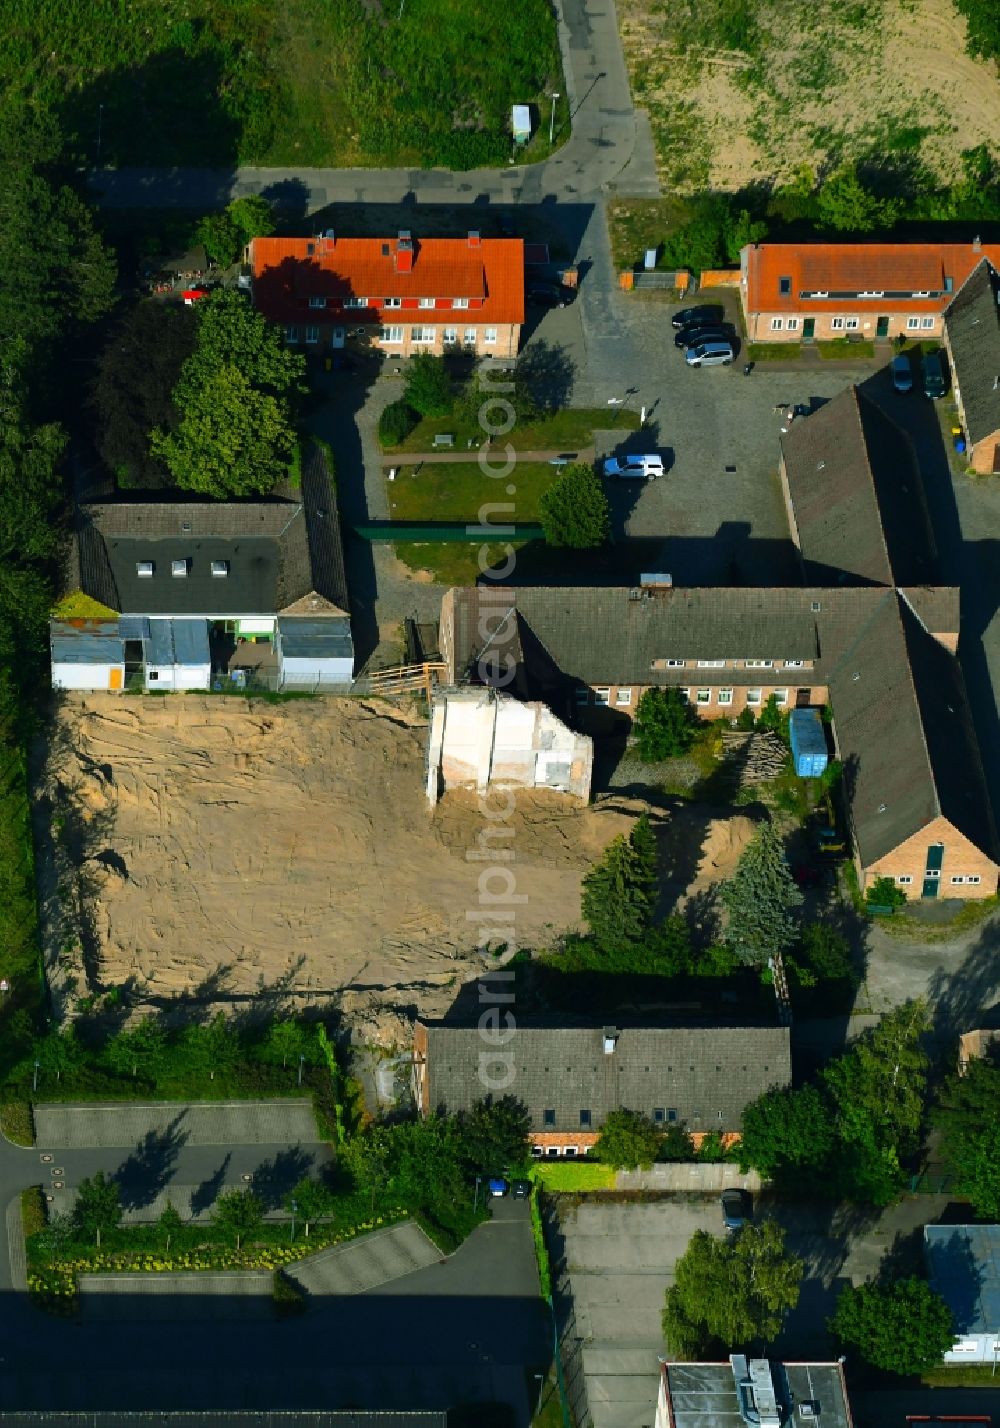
column 422, row 458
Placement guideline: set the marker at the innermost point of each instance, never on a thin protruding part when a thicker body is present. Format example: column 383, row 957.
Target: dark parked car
column 693, row 336
column 737, row 1209
column 520, row 1189
column 935, row 384
column 902, row 373
column 550, row 295
column 705, row 312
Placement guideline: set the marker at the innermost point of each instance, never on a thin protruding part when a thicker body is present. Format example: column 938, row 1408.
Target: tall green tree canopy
column 427, row 386
column 968, row 1116
column 903, row 1328
column 575, row 510
column 760, row 899
column 232, row 333
column 619, row 893
column 729, row 1293
column 664, row 725
column 628, row 1140
column 98, row 1205
column 787, row 1134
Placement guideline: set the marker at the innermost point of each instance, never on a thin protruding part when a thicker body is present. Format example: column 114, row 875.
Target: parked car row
column 932, row 374
column 703, row 335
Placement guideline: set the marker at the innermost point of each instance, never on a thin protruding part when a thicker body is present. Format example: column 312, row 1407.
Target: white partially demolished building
column 481, row 738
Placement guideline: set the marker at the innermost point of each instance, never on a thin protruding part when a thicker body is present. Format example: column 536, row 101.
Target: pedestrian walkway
column 202, row 1123
column 368, row 1262
column 442, row 458
column 17, row 1261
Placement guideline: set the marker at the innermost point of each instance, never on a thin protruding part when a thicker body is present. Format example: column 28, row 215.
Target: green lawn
column 286, row 82
column 636, row 224
column 450, row 563
column 573, row 1176
column 840, row 349
column 446, row 491
column 773, row 351
column 961, row 1376
column 571, row 429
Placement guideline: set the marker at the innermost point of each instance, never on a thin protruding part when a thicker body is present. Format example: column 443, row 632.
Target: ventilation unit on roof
column 610, row 1040
column 179, row 568
column 220, row 568
column 144, row 568
column 756, row 1392
column 809, row 1408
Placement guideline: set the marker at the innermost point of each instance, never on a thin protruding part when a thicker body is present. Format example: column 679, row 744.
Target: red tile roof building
column 795, row 292
column 408, row 294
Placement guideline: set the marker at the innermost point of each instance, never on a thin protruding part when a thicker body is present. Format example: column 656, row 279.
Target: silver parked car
column 710, row 354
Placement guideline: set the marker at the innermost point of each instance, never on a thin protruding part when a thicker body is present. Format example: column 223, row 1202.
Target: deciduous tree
column 968, row 1116
column 493, row 1135
column 903, row 1328
column 628, row 1140
column 311, row 1200
column 787, row 1134
column 140, row 1047
column 427, row 386
column 98, row 1206
column 846, row 205
column 575, row 511
column 664, row 725
column 237, row 1213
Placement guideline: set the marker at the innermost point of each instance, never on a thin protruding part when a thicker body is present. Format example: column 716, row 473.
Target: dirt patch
column 811, row 85
column 216, row 844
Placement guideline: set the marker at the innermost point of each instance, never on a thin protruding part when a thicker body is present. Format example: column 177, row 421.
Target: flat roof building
column 752, row 1393
column 963, row 1264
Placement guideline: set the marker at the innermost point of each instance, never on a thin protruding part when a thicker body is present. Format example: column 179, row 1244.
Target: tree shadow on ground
column 275, row 1178
column 967, row 997
column 206, row 1194
column 150, row 1167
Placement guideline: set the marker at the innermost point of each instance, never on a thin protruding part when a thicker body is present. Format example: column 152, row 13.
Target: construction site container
column 808, row 740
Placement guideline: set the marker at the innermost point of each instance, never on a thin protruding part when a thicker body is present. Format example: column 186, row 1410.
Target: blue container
column 808, row 740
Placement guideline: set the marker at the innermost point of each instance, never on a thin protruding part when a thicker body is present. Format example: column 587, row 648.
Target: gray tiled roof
column 279, row 551
column 972, row 322
column 706, row 1075
column 858, row 501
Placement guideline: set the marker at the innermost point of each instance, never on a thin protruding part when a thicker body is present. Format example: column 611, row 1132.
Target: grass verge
column 841, row 349
column 961, row 1376
column 17, row 1123
column 773, row 351
column 568, row 430
column 451, row 563
column 34, row 1215
column 541, row 1249
column 968, row 916
column 567, row 1177
column 636, row 224
column 455, row 491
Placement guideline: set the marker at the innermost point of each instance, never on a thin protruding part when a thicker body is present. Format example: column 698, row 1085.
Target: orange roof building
column 402, row 294
column 799, row 292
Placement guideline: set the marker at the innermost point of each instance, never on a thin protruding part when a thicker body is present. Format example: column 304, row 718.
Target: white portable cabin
column 87, row 655
column 177, row 654
column 315, row 652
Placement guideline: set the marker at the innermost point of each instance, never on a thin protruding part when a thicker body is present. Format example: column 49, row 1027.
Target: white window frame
column 966, row 878
column 757, row 663
column 312, row 335
column 725, row 696
column 853, row 323
column 623, row 698
column 490, row 336
column 927, row 323
column 703, row 696
column 355, row 302
column 933, row 873
column 836, row 324
column 425, row 302
column 672, row 663
column 393, row 302
column 904, row 879
column 450, row 336
column 710, row 664
column 755, row 697
column 392, row 334
column 777, row 323
column 792, row 324
column 469, row 339
column 602, row 695
column 319, row 302
column 291, row 334
column 781, row 697
column 460, row 302
column 423, row 334
column 912, row 323
column 793, row 664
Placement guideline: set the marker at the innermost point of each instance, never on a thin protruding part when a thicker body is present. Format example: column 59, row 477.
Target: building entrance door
column 882, row 327
column 808, row 329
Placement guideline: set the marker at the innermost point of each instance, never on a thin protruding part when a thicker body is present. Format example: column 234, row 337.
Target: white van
column 633, row 468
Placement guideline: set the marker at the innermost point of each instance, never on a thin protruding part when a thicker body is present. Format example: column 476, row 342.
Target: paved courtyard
column 617, row 1260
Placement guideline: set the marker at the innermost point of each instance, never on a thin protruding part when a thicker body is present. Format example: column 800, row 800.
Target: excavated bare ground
column 291, row 844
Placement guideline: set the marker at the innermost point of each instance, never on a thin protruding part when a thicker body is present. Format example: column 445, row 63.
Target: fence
column 649, row 279
column 700, row 1178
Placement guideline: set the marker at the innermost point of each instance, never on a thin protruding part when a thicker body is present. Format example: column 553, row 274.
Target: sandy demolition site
column 291, row 842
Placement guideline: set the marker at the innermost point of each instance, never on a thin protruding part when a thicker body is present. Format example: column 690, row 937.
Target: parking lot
column 617, row 1261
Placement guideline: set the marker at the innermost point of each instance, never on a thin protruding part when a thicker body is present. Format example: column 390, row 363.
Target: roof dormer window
column 784, row 286
column 317, row 302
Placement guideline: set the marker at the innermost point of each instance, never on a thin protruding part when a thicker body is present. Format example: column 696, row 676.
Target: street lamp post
column 294, row 1208
column 34, row 1078
column 302, row 1062
column 552, row 121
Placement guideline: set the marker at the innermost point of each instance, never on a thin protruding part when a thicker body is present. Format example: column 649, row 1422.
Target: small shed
column 315, row 652
column 808, row 740
column 520, row 123
column 177, row 655
column 963, row 1263
column 86, row 654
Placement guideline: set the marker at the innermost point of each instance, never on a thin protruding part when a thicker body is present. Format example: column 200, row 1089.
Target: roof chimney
column 474, row 238
column 404, row 252
column 977, row 245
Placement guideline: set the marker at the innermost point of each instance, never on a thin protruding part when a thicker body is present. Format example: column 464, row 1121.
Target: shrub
column 426, row 386
column 17, row 1123
column 34, row 1214
column 396, row 423
column 575, row 511
column 825, row 953
column 884, row 893
column 628, row 1139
